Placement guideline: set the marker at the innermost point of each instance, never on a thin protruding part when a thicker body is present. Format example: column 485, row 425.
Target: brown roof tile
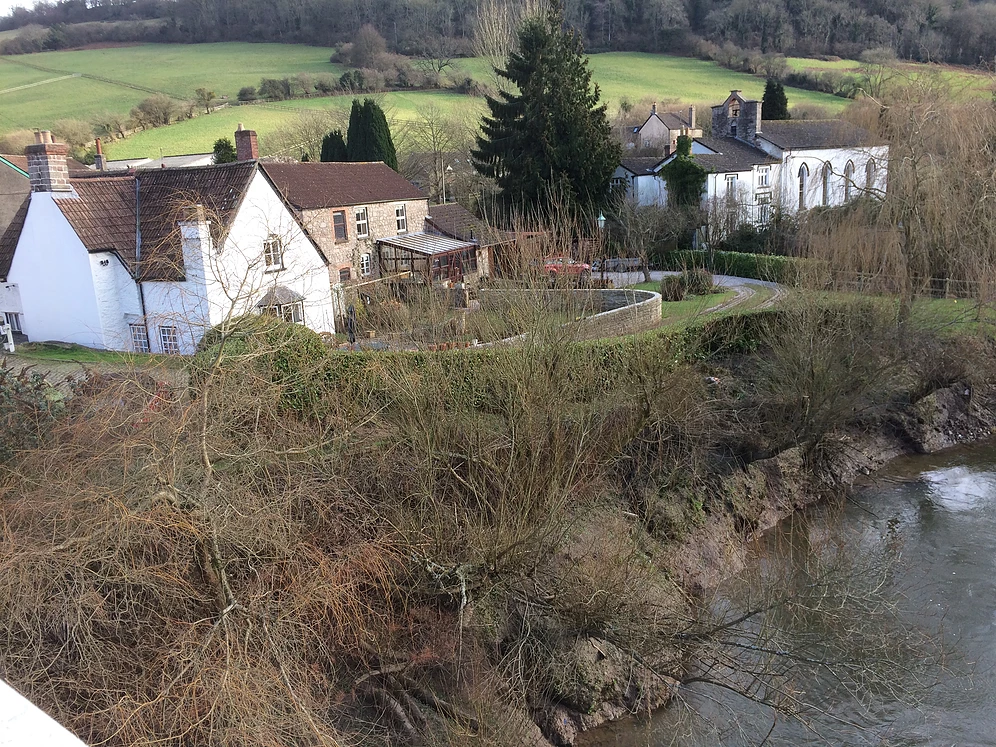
column 457, row 222
column 103, row 211
column 311, row 186
column 8, row 242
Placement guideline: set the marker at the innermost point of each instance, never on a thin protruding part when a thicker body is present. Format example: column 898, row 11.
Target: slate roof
column 8, row 241
column 313, row 186
column 279, row 295
column 731, row 155
column 671, row 120
column 817, row 133
column 103, row 211
column 455, row 221
column 642, row 166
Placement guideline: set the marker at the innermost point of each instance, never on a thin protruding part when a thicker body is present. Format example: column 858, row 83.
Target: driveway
column 745, row 288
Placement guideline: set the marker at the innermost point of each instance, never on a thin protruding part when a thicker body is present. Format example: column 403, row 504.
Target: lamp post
column 601, row 237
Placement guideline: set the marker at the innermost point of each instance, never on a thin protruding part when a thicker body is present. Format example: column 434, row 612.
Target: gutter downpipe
column 138, row 257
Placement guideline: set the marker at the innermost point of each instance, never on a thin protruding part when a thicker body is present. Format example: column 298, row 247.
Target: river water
column 927, row 526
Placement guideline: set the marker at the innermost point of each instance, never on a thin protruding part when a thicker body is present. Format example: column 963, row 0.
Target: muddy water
column 936, row 517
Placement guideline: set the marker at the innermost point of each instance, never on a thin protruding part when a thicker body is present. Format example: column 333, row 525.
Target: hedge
column 737, row 264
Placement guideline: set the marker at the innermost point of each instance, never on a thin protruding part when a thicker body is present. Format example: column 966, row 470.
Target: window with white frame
column 139, row 338
column 803, row 179
column 764, row 176
column 827, row 170
column 362, row 223
column 731, row 186
column 870, row 168
column 366, row 264
column 289, row 312
column 14, row 320
column 170, row 340
column 273, row 253
column 848, row 180
column 764, row 208
column 402, row 218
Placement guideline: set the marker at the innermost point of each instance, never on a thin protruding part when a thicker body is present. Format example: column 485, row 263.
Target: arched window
column 870, row 169
column 803, row 178
column 848, row 180
column 827, row 170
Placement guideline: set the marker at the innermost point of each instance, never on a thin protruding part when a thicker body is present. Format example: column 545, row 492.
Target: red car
column 558, row 268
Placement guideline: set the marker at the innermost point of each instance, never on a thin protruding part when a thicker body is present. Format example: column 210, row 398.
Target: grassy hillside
column 224, row 68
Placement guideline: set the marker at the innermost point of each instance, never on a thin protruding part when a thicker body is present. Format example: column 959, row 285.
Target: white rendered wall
column 649, row 189
column 52, row 270
column 117, row 296
column 23, row 724
column 838, row 158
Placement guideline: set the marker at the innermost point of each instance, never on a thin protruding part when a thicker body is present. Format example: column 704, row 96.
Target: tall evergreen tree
column 334, row 147
column 775, row 103
column 546, row 141
column 224, row 150
column 369, row 136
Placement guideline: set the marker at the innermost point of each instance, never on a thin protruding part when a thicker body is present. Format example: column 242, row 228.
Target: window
column 339, row 225
column 826, row 183
column 764, row 176
column 870, row 169
column 803, row 178
column 14, row 320
column 366, row 265
column 273, row 253
column 344, row 275
column 139, row 338
column 731, row 186
column 733, row 128
column 169, row 340
column 402, row 218
column 289, row 312
column 848, row 180
column 764, row 208
column 362, row 223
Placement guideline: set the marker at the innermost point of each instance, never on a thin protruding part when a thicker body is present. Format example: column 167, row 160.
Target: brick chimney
column 47, row 166
column 691, row 117
column 99, row 162
column 246, row 148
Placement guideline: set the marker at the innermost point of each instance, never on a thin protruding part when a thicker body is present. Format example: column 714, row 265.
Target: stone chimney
column 99, row 162
column 750, row 114
column 653, row 108
column 691, row 118
column 47, row 166
column 246, row 147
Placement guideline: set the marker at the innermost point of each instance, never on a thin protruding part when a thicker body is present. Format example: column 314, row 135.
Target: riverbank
column 486, row 546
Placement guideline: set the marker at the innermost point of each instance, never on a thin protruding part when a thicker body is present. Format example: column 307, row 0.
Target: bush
column 672, row 288
column 289, row 355
column 247, row 93
column 275, row 89
column 756, row 266
column 697, row 282
column 29, row 405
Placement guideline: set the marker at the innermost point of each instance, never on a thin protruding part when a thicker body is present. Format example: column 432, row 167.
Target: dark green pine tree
column 548, row 145
column 775, row 103
column 334, row 147
column 369, row 136
column 383, row 143
column 224, row 150
column 685, row 179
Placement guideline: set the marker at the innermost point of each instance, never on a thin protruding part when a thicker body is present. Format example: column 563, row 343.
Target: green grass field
column 224, row 68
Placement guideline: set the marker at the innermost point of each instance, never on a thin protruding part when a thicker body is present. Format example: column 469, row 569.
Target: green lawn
column 79, row 354
column 179, row 69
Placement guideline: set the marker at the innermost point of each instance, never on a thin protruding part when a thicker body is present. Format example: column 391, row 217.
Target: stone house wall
column 346, row 255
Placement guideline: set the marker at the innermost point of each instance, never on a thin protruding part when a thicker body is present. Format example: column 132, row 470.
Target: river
column 928, row 526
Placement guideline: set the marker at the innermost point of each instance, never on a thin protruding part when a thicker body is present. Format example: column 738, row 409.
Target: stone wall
column 611, row 312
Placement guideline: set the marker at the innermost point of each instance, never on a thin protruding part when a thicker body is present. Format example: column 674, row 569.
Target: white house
column 149, row 260
column 756, row 167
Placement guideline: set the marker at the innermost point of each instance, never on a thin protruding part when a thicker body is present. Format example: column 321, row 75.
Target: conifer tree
column 546, row 140
column 224, row 150
column 334, row 147
column 369, row 136
column 774, row 105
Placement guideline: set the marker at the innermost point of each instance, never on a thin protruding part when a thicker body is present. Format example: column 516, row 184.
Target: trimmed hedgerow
column 757, row 266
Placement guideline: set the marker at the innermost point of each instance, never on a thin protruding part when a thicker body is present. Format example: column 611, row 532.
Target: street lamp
column 601, row 235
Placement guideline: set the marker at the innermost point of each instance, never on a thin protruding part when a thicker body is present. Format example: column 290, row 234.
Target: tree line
column 924, row 30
